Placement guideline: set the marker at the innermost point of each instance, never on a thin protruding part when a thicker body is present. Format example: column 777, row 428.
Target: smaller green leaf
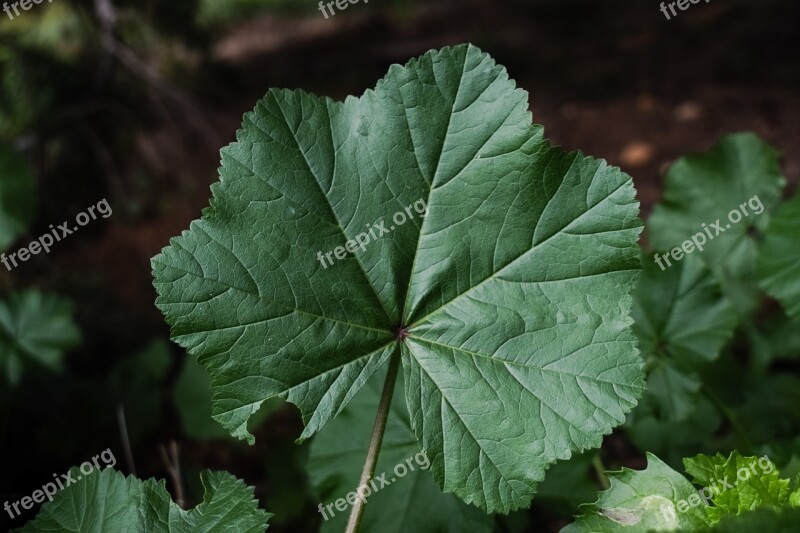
column 740, row 174
column 779, row 265
column 109, row 501
column 35, row 328
column 17, row 196
column 642, row 501
column 738, row 484
column 682, row 320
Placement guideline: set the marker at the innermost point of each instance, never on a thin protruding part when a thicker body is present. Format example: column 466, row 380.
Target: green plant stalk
column 600, row 471
column 357, row 513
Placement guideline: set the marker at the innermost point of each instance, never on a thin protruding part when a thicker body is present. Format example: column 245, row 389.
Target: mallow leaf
column 36, row 328
column 413, row 500
column 428, row 217
column 106, row 500
column 641, row 502
column 779, row 265
column 682, row 321
column 17, row 196
column 723, row 199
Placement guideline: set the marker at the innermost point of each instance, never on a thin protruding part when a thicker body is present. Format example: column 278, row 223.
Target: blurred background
column 131, row 102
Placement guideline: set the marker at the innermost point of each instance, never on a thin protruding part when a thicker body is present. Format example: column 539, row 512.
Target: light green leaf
column 17, row 197
column 682, row 321
column 794, row 497
column 506, row 287
column 739, row 174
column 779, row 266
column 35, row 328
column 640, row 502
column 414, row 501
column 738, row 484
column 109, row 501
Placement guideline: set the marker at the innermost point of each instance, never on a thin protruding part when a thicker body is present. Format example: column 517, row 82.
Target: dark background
column 133, row 105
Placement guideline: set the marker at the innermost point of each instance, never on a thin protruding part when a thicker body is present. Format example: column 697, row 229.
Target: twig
column 173, row 466
column 126, row 443
column 599, row 470
column 357, row 513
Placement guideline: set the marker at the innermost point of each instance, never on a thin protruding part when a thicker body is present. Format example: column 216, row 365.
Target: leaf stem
column 600, row 471
column 377, row 438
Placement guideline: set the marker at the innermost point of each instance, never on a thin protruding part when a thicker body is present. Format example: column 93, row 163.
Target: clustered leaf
column 109, row 501
column 36, row 328
column 757, row 483
column 507, row 292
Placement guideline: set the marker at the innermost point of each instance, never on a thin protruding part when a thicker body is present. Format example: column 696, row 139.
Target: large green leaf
column 682, row 321
column 108, row 501
column 740, row 173
column 506, row 290
column 35, row 328
column 414, row 501
column 642, row 501
column 779, row 267
column 17, row 196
